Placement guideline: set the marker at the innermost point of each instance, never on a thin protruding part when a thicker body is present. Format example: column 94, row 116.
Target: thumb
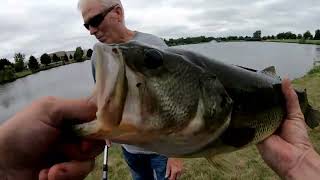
column 272, row 145
column 292, row 102
column 70, row 170
column 168, row 171
column 76, row 111
column 108, row 142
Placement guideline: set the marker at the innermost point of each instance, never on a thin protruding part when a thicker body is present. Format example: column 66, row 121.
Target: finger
column 70, row 170
column 292, row 101
column 86, row 149
column 108, row 143
column 168, row 171
column 76, row 111
column 173, row 175
column 43, row 175
column 272, row 144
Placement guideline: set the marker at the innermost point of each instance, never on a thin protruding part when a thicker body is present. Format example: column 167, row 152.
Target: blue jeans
column 146, row 166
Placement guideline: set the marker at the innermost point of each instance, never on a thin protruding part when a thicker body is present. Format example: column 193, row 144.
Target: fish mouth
column 111, row 86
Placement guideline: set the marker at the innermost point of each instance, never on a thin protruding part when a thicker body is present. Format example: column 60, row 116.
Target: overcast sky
column 39, row 26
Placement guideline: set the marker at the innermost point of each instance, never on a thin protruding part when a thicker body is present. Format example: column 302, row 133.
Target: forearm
column 307, row 168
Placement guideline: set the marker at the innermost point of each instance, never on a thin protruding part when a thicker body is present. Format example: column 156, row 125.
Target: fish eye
column 153, row 59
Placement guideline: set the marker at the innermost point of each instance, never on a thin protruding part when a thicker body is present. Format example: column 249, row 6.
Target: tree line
column 188, row 40
column 9, row 70
column 257, row 36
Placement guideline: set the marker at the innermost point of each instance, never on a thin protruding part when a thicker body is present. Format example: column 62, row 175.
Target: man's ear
column 119, row 12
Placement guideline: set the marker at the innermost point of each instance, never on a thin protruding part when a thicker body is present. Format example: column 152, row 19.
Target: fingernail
column 44, row 174
column 62, row 174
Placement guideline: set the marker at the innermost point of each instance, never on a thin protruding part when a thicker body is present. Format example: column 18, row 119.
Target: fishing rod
column 105, row 163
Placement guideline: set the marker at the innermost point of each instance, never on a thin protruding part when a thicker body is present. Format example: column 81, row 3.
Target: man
column 105, row 20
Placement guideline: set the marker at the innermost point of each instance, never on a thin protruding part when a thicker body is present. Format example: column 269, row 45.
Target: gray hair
column 106, row 3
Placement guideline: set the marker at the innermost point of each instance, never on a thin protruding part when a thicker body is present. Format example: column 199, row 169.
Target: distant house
column 62, row 53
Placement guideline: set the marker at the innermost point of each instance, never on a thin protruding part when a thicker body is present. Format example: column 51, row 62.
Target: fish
column 180, row 103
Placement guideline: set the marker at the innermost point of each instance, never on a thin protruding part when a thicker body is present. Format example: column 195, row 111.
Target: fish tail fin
column 312, row 117
column 221, row 163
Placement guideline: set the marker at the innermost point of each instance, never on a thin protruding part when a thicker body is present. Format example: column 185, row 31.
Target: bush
column 5, row 62
column 314, row 70
column 7, row 75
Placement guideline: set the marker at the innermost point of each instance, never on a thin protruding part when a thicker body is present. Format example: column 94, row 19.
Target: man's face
column 105, row 31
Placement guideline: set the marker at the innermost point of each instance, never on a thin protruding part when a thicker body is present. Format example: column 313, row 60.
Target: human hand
column 108, row 142
column 174, row 168
column 33, row 144
column 290, row 151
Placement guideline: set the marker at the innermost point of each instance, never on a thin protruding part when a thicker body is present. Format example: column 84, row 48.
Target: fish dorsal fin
column 270, row 71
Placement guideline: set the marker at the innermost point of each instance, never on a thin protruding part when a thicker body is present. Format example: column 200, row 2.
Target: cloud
column 35, row 27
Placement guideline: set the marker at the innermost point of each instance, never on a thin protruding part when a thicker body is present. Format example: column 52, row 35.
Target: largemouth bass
column 182, row 104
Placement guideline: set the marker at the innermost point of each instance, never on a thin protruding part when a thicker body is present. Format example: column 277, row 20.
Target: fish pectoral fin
column 312, row 117
column 217, row 103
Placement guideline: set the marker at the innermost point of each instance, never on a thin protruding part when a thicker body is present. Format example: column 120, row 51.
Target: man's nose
column 93, row 30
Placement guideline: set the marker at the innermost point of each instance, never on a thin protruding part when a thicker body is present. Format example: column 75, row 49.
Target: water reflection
column 317, row 57
column 71, row 81
column 292, row 60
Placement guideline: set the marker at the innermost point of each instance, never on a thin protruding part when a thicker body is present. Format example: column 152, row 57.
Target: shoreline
column 296, row 41
column 291, row 41
column 28, row 72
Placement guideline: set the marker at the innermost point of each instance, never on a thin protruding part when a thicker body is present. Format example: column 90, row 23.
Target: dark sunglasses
column 97, row 19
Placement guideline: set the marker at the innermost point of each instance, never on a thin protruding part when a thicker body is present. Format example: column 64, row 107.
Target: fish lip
column 111, row 105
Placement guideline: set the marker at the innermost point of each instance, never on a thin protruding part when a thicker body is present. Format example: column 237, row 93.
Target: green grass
column 247, row 162
column 23, row 74
column 316, row 42
column 315, row 70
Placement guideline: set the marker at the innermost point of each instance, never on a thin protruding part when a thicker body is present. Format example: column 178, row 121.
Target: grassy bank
column 248, row 163
column 28, row 72
column 316, row 42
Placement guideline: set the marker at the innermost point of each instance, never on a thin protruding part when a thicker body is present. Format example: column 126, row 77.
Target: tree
column 307, row 35
column 317, row 35
column 257, row 34
column 89, row 53
column 78, row 55
column 65, row 58
column 55, row 58
column 33, row 63
column 45, row 59
column 70, row 57
column 7, row 74
column 299, row 36
column 19, row 62
column 5, row 62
